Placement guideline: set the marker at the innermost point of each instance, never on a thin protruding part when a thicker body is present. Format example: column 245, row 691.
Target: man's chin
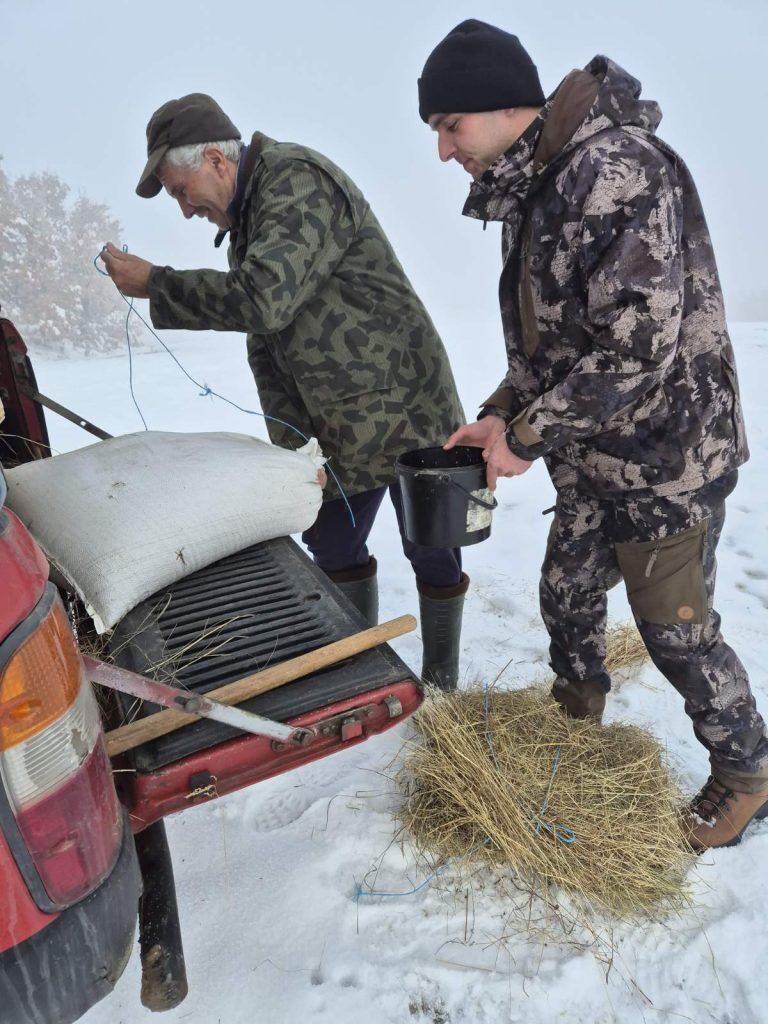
column 475, row 169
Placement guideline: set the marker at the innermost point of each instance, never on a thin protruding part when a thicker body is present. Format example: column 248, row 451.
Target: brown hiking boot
column 718, row 816
column 580, row 700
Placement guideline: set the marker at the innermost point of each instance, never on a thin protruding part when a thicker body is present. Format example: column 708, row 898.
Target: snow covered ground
column 267, row 877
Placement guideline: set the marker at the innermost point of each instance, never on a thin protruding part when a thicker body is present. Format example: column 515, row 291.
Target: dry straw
column 208, row 644
column 569, row 805
column 625, row 648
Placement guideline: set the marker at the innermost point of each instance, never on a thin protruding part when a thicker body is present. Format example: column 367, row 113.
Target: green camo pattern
column 339, row 343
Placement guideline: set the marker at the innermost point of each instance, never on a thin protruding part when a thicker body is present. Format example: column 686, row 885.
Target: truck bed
column 252, row 610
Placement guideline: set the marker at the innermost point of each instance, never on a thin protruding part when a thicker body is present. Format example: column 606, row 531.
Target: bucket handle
column 478, row 501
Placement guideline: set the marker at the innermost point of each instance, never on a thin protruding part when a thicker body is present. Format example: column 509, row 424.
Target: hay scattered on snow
column 476, row 786
column 625, row 647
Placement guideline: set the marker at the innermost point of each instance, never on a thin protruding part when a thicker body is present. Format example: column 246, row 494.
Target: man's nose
column 187, row 209
column 445, row 147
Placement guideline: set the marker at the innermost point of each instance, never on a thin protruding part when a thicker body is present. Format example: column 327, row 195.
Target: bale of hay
column 590, row 809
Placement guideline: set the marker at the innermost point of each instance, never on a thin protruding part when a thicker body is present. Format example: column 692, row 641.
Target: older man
column 339, row 343
column 621, row 377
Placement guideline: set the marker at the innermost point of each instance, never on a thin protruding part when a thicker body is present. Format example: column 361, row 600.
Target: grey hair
column 191, row 157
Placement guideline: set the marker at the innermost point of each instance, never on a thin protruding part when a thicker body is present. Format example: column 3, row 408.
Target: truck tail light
column 53, row 766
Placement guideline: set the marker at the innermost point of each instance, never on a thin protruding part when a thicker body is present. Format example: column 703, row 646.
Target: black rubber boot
column 441, row 612
column 360, row 587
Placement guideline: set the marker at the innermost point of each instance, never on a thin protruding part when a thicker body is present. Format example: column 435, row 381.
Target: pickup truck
column 83, row 852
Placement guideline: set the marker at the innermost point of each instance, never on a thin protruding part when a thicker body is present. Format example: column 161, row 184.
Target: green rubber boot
column 360, row 587
column 441, row 613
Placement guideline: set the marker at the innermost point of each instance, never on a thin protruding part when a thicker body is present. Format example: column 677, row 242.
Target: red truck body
column 70, row 878
column 24, row 573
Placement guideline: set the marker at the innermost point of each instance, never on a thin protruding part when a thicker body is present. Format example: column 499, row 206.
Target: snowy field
column 267, row 877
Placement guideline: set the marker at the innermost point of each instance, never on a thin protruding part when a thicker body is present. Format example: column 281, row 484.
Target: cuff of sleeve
column 524, row 432
column 502, row 398
column 494, row 410
column 523, row 440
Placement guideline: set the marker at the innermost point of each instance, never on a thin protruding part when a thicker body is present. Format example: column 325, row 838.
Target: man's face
column 477, row 140
column 206, row 192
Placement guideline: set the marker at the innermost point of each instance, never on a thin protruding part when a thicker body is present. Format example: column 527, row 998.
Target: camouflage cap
column 190, row 119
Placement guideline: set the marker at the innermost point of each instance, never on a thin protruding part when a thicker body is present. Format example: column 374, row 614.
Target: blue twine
column 128, row 339
column 560, row 832
column 205, row 390
column 488, row 737
column 360, row 891
column 130, row 364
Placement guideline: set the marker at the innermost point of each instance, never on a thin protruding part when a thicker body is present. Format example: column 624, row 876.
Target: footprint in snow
column 279, row 810
column 291, row 799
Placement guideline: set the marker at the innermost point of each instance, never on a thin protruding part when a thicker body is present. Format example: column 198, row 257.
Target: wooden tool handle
column 163, row 722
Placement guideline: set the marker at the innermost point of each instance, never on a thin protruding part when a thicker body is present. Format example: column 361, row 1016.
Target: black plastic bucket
column 446, row 501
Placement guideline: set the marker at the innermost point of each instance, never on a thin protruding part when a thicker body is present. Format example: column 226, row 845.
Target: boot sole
column 759, row 815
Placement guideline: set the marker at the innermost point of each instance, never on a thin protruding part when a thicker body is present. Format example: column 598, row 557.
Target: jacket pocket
column 651, row 406
column 729, row 372
column 665, row 578
column 337, row 384
column 732, row 383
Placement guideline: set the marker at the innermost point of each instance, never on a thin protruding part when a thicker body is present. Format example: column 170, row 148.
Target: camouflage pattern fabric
column 621, row 373
column 339, row 343
column 664, row 549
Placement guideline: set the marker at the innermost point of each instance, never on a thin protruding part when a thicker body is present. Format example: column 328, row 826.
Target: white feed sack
column 125, row 517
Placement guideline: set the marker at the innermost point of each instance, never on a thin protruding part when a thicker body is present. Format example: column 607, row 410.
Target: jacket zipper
column 528, row 326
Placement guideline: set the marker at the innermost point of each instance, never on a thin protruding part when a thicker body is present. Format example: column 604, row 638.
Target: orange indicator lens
column 41, row 679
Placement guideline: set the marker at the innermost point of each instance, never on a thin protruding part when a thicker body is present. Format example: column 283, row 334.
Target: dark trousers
column 336, row 544
column 664, row 550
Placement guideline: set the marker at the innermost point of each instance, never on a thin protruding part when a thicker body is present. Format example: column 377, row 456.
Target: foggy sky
column 80, row 79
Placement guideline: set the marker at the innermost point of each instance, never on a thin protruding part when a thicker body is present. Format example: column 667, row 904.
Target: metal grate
column 236, row 617
column 257, row 608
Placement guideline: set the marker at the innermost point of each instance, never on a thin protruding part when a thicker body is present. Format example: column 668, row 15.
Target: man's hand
column 130, row 274
column 322, row 477
column 482, row 434
column 500, row 461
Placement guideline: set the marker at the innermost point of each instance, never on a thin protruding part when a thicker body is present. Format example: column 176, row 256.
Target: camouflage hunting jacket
column 339, row 343
column 621, row 373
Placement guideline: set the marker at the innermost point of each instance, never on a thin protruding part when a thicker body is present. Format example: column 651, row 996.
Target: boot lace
column 712, row 800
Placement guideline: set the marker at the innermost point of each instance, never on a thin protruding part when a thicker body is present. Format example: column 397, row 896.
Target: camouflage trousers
column 664, row 550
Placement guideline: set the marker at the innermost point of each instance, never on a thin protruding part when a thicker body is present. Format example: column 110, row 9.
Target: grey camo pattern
column 338, row 341
column 621, row 372
column 622, row 377
column 580, row 567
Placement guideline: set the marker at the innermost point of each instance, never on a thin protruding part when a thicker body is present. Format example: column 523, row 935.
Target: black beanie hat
column 478, row 67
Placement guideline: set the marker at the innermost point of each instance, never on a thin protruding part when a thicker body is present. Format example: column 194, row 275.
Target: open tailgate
column 252, row 610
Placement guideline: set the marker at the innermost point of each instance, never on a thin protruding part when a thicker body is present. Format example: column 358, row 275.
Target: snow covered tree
column 48, row 285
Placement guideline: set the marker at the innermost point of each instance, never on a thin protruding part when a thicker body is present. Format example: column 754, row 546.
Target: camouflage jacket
column 339, row 343
column 621, row 373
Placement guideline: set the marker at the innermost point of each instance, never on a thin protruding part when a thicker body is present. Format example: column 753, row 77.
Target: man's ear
column 216, row 158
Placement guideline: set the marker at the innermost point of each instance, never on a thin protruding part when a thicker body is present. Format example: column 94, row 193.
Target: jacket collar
column 587, row 102
column 249, row 157
column 508, row 180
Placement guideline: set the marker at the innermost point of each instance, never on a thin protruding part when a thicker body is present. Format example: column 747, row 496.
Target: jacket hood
column 598, row 98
